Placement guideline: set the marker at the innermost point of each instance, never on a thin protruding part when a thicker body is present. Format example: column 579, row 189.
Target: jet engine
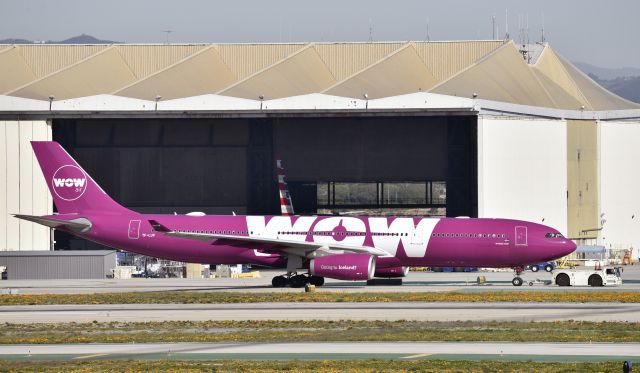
column 344, row 266
column 392, row 272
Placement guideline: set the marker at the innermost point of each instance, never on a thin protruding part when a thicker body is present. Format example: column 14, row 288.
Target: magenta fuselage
column 408, row 241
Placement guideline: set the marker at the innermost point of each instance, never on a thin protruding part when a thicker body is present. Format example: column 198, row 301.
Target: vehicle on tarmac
column 310, row 248
column 547, row 266
column 605, row 276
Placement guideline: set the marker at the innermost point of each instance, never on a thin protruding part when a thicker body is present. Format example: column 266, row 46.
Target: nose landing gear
column 517, row 280
column 295, row 280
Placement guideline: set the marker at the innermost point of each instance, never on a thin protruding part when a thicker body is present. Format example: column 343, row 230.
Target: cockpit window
column 553, row 235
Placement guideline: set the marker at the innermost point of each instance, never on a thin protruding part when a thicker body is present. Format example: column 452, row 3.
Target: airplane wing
column 300, row 248
column 78, row 225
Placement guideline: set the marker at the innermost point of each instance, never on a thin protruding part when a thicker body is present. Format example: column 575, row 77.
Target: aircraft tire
column 595, row 280
column 563, row 280
column 316, row 280
column 517, row 281
column 279, row 282
column 298, row 281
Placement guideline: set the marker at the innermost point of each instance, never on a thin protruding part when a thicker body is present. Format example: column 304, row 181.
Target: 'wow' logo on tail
column 69, row 182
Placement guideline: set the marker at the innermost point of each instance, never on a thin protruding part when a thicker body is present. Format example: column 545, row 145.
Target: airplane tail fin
column 286, row 206
column 72, row 189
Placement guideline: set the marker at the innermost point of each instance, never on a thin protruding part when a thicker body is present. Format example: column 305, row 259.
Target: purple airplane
column 310, row 248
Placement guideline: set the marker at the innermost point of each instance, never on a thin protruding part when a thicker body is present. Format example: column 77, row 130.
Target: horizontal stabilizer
column 158, row 227
column 77, row 224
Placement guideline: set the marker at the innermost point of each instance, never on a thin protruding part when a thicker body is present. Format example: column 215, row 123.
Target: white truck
column 606, row 276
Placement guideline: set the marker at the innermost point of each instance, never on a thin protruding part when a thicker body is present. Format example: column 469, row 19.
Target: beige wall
column 582, row 180
column 22, row 187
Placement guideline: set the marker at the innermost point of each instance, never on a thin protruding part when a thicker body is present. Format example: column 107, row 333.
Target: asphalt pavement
column 391, row 311
column 330, row 350
column 415, row 282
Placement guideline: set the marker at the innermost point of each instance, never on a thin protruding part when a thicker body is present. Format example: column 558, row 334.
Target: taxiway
column 330, row 351
column 622, row 312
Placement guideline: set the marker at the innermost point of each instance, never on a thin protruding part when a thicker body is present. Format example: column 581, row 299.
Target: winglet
column 158, row 227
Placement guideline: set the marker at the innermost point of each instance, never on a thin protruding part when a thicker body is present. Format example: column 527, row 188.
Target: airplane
column 309, row 248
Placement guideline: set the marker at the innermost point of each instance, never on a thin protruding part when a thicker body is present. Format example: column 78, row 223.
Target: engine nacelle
column 344, row 266
column 392, row 272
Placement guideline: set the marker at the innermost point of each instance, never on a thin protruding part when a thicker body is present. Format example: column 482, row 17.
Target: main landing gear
column 296, row 281
column 517, row 280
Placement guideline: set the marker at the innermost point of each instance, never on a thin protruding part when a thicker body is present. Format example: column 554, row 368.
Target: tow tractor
column 605, row 276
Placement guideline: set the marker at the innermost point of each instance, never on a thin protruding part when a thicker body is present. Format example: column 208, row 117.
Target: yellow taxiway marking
column 415, row 356
column 88, row 356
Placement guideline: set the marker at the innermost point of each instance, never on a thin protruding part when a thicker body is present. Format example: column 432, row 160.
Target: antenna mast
column 542, row 36
column 167, row 32
column 493, row 27
column 428, row 37
column 506, row 23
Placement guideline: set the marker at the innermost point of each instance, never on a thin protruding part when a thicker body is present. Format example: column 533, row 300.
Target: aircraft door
column 416, row 237
column 521, row 236
column 134, row 229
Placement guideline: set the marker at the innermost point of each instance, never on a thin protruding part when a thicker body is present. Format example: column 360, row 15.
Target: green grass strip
column 318, row 331
column 259, row 297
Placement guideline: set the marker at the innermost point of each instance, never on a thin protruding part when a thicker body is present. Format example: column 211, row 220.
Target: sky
column 602, row 33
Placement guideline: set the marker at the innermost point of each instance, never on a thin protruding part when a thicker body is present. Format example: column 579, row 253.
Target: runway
column 330, row 350
column 391, row 311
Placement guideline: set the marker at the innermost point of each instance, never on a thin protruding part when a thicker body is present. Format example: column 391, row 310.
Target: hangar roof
column 495, row 70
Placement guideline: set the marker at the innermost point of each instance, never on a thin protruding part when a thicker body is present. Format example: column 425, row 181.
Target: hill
column 80, row 39
column 626, row 87
column 607, row 73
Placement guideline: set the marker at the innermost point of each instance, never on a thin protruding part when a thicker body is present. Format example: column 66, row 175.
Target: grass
column 258, row 297
column 317, row 331
column 305, row 366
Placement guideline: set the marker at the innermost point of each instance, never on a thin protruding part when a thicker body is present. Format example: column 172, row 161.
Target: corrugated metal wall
column 582, row 178
column 247, row 59
column 445, row 59
column 46, row 59
column 59, row 265
column 145, row 60
column 23, row 189
column 344, row 60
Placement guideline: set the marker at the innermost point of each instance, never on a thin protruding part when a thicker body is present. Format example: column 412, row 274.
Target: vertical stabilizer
column 72, row 189
column 286, row 206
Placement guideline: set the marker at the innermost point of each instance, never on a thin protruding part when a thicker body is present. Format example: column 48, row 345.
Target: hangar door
column 391, row 164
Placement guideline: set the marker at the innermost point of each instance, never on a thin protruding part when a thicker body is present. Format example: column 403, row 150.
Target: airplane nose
column 568, row 247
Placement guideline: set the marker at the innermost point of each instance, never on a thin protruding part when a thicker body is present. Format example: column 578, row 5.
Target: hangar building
column 462, row 128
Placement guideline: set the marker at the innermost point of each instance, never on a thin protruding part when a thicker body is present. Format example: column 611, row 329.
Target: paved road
column 325, row 311
column 335, row 351
column 416, row 281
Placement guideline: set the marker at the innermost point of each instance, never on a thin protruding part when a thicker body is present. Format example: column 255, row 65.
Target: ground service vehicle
column 547, row 266
column 606, row 276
